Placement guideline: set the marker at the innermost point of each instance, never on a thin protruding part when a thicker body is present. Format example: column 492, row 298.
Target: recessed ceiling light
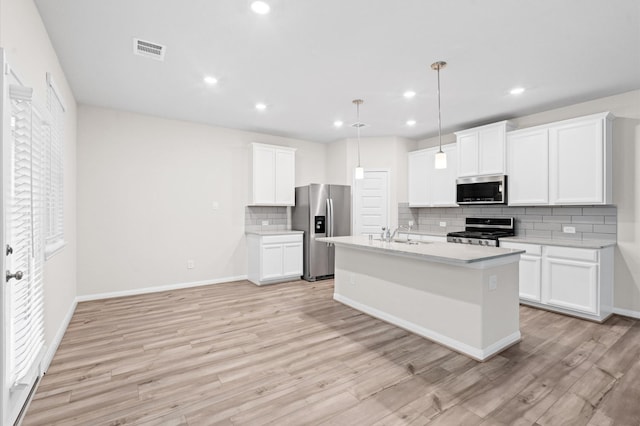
column 338, row 123
column 409, row 94
column 260, row 7
column 517, row 90
column 411, row 122
column 260, row 106
column 210, row 80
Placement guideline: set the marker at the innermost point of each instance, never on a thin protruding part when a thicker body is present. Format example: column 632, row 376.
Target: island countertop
column 463, row 254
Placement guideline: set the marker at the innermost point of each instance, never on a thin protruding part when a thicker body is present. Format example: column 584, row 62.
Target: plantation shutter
column 54, row 182
column 25, row 220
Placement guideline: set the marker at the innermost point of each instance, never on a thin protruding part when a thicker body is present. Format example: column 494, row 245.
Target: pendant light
column 357, row 125
column 441, row 157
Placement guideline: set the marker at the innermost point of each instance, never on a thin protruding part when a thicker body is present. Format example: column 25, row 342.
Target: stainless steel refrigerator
column 321, row 211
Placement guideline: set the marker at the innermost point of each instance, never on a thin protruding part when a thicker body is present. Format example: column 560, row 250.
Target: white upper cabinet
column 563, row 163
column 272, row 175
column 481, row 150
column 528, row 167
column 580, row 161
column 428, row 186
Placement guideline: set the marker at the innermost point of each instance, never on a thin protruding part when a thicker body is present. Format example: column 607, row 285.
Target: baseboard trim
column 145, row 290
column 627, row 313
column 51, row 350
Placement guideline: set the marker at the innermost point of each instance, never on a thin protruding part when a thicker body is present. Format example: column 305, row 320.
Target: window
column 54, row 172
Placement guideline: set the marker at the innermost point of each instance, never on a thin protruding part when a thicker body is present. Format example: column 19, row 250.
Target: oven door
column 482, row 190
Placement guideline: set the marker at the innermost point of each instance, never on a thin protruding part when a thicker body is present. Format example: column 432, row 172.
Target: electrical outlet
column 352, row 279
column 215, row 205
column 191, row 264
column 410, row 223
column 265, row 222
column 443, row 224
column 569, row 229
column 493, row 282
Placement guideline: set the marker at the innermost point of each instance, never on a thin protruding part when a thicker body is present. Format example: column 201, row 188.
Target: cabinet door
column 528, row 167
column 576, row 161
column 570, row 284
column 418, row 179
column 443, row 181
column 264, row 172
column 491, row 152
column 285, row 176
column 272, row 260
column 529, row 276
column 468, row 154
column 292, row 259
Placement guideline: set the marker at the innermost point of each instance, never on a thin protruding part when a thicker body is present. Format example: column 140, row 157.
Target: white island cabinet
column 462, row 296
column 273, row 175
column 274, row 256
column 576, row 281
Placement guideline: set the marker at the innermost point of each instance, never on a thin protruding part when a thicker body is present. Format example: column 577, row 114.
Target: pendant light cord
column 439, row 115
column 358, row 118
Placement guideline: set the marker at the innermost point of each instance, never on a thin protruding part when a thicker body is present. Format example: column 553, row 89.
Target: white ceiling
column 308, row 59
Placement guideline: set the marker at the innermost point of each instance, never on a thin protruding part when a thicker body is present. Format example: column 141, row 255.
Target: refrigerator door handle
column 332, row 221
column 329, row 220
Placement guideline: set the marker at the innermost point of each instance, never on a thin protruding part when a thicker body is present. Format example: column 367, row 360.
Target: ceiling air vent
column 148, row 49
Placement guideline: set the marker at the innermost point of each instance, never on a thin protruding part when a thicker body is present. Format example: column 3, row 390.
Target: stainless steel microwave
column 482, row 190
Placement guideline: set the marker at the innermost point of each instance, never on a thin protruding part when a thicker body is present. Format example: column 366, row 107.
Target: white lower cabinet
column 574, row 281
column 274, row 258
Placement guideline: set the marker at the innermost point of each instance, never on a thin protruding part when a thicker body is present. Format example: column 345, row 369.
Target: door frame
column 355, row 212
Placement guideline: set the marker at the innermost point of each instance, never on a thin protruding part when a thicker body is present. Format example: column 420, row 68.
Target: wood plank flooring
column 287, row 354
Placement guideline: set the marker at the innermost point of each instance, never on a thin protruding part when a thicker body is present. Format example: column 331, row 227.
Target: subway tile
column 531, row 218
column 540, row 226
column 598, row 236
column 600, row 211
column 605, row 229
column 539, row 211
column 555, row 235
column 567, row 211
column 580, row 227
column 594, row 220
column 513, row 210
column 538, row 234
column 611, row 220
column 556, row 219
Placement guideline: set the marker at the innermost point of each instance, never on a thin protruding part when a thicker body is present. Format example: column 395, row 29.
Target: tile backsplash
column 277, row 218
column 590, row 222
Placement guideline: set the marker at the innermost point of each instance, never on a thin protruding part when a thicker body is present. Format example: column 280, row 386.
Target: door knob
column 18, row 275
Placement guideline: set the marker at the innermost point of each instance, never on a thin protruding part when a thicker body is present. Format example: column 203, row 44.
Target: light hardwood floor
column 287, row 354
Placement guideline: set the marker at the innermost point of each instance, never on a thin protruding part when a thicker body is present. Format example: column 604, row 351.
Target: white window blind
column 25, row 233
column 54, row 170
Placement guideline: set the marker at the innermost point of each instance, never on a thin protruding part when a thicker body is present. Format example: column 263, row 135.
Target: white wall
column 146, row 186
column 626, row 183
column 29, row 52
column 388, row 153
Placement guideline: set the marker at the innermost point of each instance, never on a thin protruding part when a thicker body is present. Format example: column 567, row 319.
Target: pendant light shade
column 359, row 174
column 441, row 157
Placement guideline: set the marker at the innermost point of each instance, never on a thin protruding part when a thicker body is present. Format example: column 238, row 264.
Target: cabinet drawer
column 531, row 249
column 279, row 239
column 588, row 255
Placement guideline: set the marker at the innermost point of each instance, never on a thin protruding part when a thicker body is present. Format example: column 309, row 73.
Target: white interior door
column 22, row 242
column 371, row 202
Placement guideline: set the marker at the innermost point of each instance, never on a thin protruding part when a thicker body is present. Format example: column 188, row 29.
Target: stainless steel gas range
column 483, row 231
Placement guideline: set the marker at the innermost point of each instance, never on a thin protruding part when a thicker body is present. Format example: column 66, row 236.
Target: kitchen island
column 462, row 296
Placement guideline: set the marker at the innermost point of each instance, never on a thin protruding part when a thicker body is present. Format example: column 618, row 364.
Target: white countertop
column 588, row 244
column 285, row 232
column 440, row 252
